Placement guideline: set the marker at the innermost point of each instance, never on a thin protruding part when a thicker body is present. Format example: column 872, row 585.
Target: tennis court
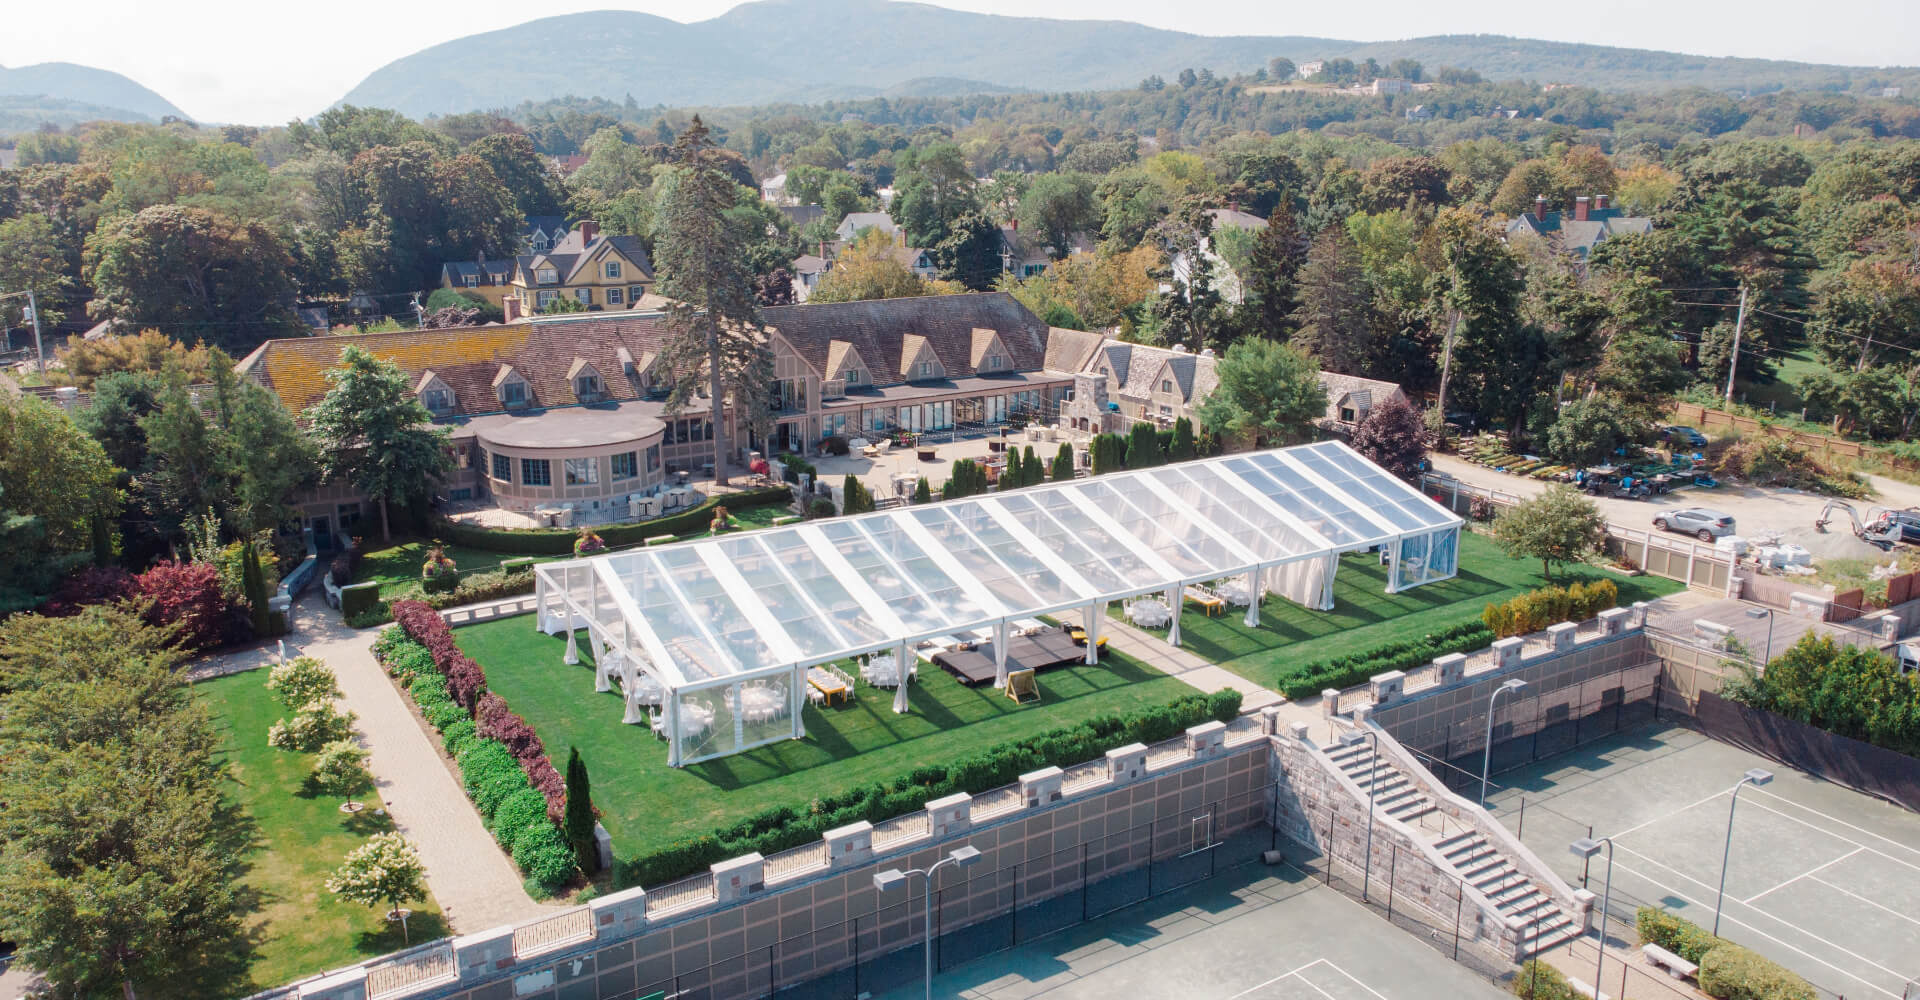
column 1819, row 878
column 1249, row 933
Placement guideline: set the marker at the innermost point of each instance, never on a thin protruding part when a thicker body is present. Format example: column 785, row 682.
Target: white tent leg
column 1173, row 604
column 901, row 654
column 739, row 723
column 1253, row 598
column 604, row 661
column 672, row 706
column 1393, row 567
column 1332, row 567
column 1000, row 633
column 1089, row 618
column 797, row 699
column 573, row 649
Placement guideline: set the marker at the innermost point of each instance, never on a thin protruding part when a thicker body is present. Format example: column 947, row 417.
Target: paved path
column 475, row 883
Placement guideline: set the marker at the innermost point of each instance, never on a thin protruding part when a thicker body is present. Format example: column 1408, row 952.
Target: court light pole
column 1766, row 613
column 965, row 855
column 1486, row 759
column 1373, row 781
column 1757, row 776
column 1587, row 847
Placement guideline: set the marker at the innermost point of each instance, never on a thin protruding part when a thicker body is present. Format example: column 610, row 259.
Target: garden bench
column 1674, row 965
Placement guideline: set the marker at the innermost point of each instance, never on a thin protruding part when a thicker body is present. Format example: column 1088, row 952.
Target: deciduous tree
column 1555, row 526
column 1393, row 437
column 374, row 433
column 1268, row 394
column 386, row 870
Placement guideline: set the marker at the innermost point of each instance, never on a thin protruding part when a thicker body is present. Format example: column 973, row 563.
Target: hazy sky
column 264, row 63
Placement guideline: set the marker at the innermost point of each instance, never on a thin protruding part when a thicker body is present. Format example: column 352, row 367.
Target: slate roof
column 1580, row 236
column 851, row 225
column 569, row 257
column 469, row 359
column 1365, row 393
column 1137, row 366
column 879, row 328
column 1235, row 219
column 1027, row 247
column 1070, row 350
column 486, row 272
column 808, row 263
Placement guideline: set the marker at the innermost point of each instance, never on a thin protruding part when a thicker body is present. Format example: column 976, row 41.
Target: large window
column 544, row 298
column 582, row 471
column 584, row 296
column 653, row 458
column 502, row 468
column 623, row 465
column 689, row 431
column 613, row 296
column 535, row 472
column 547, row 276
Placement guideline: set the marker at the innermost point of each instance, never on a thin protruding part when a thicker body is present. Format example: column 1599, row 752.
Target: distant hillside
column 66, row 82
column 816, row 50
column 27, row 112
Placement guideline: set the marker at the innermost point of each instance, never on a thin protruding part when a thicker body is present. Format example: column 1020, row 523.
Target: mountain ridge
column 87, row 85
column 812, row 50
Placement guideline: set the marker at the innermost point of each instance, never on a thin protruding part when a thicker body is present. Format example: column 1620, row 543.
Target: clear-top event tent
column 721, row 632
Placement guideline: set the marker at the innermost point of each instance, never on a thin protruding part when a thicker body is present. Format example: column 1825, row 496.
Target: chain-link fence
column 979, row 911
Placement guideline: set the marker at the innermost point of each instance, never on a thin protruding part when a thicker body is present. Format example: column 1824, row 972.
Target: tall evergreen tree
column 1271, row 284
column 714, row 322
column 578, row 822
column 1332, row 315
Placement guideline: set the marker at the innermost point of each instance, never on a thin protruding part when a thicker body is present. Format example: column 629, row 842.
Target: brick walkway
column 475, row 883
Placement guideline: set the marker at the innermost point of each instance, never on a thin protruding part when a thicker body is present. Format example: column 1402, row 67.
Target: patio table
column 831, row 687
column 761, row 704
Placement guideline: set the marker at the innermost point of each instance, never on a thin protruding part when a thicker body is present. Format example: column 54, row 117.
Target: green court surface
column 1821, row 879
column 1249, row 933
column 645, row 802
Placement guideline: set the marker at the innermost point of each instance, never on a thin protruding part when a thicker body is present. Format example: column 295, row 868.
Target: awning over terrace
column 728, row 627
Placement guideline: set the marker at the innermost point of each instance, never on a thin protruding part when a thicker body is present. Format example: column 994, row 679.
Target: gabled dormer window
column 613, row 269
column 926, row 369
column 513, row 393
column 470, row 280
column 546, row 276
column 854, row 376
column 437, row 400
column 587, row 385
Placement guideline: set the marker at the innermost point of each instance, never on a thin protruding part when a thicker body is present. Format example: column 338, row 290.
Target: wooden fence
column 1825, row 445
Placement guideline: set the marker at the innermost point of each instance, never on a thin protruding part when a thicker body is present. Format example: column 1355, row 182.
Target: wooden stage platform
column 1049, row 649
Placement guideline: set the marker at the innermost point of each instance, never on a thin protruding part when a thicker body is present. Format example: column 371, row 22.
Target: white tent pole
column 1089, row 618
column 797, row 697
column 1253, row 597
column 1173, row 603
column 601, row 683
column 572, row 656
column 901, row 652
column 672, row 706
column 1000, row 640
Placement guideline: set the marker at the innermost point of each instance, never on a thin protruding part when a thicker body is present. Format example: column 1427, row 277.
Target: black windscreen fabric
column 1862, row 767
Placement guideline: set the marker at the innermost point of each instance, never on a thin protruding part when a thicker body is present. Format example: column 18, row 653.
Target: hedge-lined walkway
column 475, row 884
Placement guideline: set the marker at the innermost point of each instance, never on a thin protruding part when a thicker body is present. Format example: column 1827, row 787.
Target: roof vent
column 1179, row 348
column 1206, row 352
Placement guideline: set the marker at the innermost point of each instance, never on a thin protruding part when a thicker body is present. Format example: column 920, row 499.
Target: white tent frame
column 765, row 606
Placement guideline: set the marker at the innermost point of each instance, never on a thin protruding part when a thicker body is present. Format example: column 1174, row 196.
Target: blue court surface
column 1821, row 879
column 1250, row 933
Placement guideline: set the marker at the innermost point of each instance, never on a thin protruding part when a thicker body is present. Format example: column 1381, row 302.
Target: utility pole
column 1446, row 363
column 1739, row 324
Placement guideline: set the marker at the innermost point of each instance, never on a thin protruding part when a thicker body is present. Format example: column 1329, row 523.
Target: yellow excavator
column 1882, row 526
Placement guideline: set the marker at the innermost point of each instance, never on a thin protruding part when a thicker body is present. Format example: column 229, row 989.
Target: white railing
column 680, row 895
column 552, row 933
column 429, row 965
column 796, row 861
column 899, row 828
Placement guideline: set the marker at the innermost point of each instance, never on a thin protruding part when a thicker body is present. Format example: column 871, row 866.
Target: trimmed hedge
column 523, row 564
column 359, row 598
column 1535, row 610
column 782, row 827
column 1404, row 654
column 1731, row 972
column 559, row 541
column 503, row 765
column 1537, row 980
column 1727, row 970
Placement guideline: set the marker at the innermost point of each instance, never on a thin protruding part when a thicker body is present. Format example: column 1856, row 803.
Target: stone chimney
column 511, row 306
column 588, row 230
column 1580, row 204
column 1540, row 208
column 1600, row 202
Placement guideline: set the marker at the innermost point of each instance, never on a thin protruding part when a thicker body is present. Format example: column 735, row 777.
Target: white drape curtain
column 1308, row 582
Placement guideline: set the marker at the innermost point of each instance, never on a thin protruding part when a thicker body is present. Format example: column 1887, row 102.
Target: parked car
column 1699, row 522
column 1684, row 436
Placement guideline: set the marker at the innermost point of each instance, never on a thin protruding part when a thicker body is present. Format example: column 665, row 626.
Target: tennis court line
column 1789, row 946
column 1906, row 917
column 1676, row 812
column 1837, row 822
column 1296, row 974
column 1805, row 874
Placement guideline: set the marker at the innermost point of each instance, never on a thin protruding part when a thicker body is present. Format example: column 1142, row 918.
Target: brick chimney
column 1540, row 208
column 588, row 230
column 1580, row 204
column 511, row 305
column 1600, row 202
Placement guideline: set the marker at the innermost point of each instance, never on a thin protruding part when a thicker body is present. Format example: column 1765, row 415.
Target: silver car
column 1699, row 522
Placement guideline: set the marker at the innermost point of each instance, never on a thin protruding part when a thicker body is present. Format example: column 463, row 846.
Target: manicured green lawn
column 301, row 837
column 1364, row 615
column 645, row 802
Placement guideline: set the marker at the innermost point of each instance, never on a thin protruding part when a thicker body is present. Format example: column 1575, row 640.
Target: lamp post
column 964, row 856
column 1757, row 776
column 1486, row 759
column 1587, row 847
column 1373, row 781
column 1766, row 613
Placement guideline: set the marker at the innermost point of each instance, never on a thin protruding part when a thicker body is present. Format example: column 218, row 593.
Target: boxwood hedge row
column 782, row 827
column 1403, row 654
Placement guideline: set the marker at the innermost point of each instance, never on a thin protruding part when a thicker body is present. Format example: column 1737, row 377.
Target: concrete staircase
column 1476, row 862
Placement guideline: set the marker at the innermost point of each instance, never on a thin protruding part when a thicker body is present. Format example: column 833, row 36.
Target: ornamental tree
column 340, row 769
column 301, row 681
column 1558, row 525
column 384, row 870
column 1393, row 437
